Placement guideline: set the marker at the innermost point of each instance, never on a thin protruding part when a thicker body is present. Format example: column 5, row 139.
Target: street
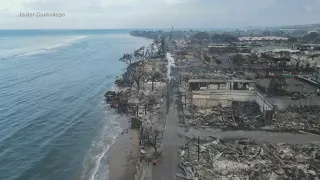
column 169, row 165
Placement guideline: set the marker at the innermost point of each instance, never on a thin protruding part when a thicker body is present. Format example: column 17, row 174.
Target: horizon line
column 158, row 28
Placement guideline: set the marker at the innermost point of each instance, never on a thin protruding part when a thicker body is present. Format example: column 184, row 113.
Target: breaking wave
column 67, row 42
column 95, row 166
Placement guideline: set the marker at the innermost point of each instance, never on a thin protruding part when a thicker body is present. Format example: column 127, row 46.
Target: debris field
column 242, row 115
column 244, row 159
column 298, row 118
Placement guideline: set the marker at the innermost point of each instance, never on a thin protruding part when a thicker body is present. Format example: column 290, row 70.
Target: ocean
column 54, row 122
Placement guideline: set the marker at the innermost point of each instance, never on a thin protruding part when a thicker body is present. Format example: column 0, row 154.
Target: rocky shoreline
column 140, row 98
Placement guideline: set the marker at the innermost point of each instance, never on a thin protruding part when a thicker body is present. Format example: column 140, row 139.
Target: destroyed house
column 214, row 92
column 215, row 84
column 152, row 66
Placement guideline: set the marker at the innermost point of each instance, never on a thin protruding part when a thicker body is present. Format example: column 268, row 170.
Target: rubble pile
column 298, row 118
column 248, row 159
column 146, row 105
column 143, row 98
column 248, row 115
column 244, row 115
column 217, row 116
column 203, row 71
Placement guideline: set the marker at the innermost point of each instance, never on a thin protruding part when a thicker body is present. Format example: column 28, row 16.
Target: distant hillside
column 306, row 26
column 215, row 38
column 313, row 38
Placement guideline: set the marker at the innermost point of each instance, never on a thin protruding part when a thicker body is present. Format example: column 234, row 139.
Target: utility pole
column 198, row 148
column 305, row 101
column 310, row 98
column 185, row 100
column 170, row 37
column 137, row 111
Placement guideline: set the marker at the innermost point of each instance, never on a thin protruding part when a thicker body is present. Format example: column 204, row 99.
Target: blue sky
column 159, row 13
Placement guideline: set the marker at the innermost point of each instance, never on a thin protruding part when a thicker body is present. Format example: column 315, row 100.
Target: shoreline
column 124, row 152
column 141, row 85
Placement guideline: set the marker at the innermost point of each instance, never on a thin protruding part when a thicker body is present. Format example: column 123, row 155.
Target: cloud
column 159, row 13
column 175, row 1
column 308, row 8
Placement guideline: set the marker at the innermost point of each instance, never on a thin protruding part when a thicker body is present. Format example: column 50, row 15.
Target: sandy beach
column 124, row 153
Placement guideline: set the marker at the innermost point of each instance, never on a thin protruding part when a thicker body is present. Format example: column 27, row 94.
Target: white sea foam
column 98, row 158
column 94, row 165
column 46, row 47
column 114, row 87
column 98, row 161
column 68, row 42
column 75, row 39
column 31, row 53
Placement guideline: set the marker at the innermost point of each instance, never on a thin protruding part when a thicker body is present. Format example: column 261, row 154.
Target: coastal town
column 221, row 104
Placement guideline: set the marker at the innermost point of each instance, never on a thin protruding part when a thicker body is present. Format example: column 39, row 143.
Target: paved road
column 170, row 161
column 169, row 165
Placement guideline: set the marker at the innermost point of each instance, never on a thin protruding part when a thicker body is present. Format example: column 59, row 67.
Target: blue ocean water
column 54, row 123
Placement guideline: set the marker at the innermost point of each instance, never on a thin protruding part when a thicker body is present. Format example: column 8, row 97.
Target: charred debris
column 248, row 159
column 237, row 85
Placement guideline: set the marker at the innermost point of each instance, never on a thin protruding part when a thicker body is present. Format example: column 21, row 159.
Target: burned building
column 212, row 92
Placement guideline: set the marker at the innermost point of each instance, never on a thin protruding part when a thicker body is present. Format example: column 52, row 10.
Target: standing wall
column 225, row 98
